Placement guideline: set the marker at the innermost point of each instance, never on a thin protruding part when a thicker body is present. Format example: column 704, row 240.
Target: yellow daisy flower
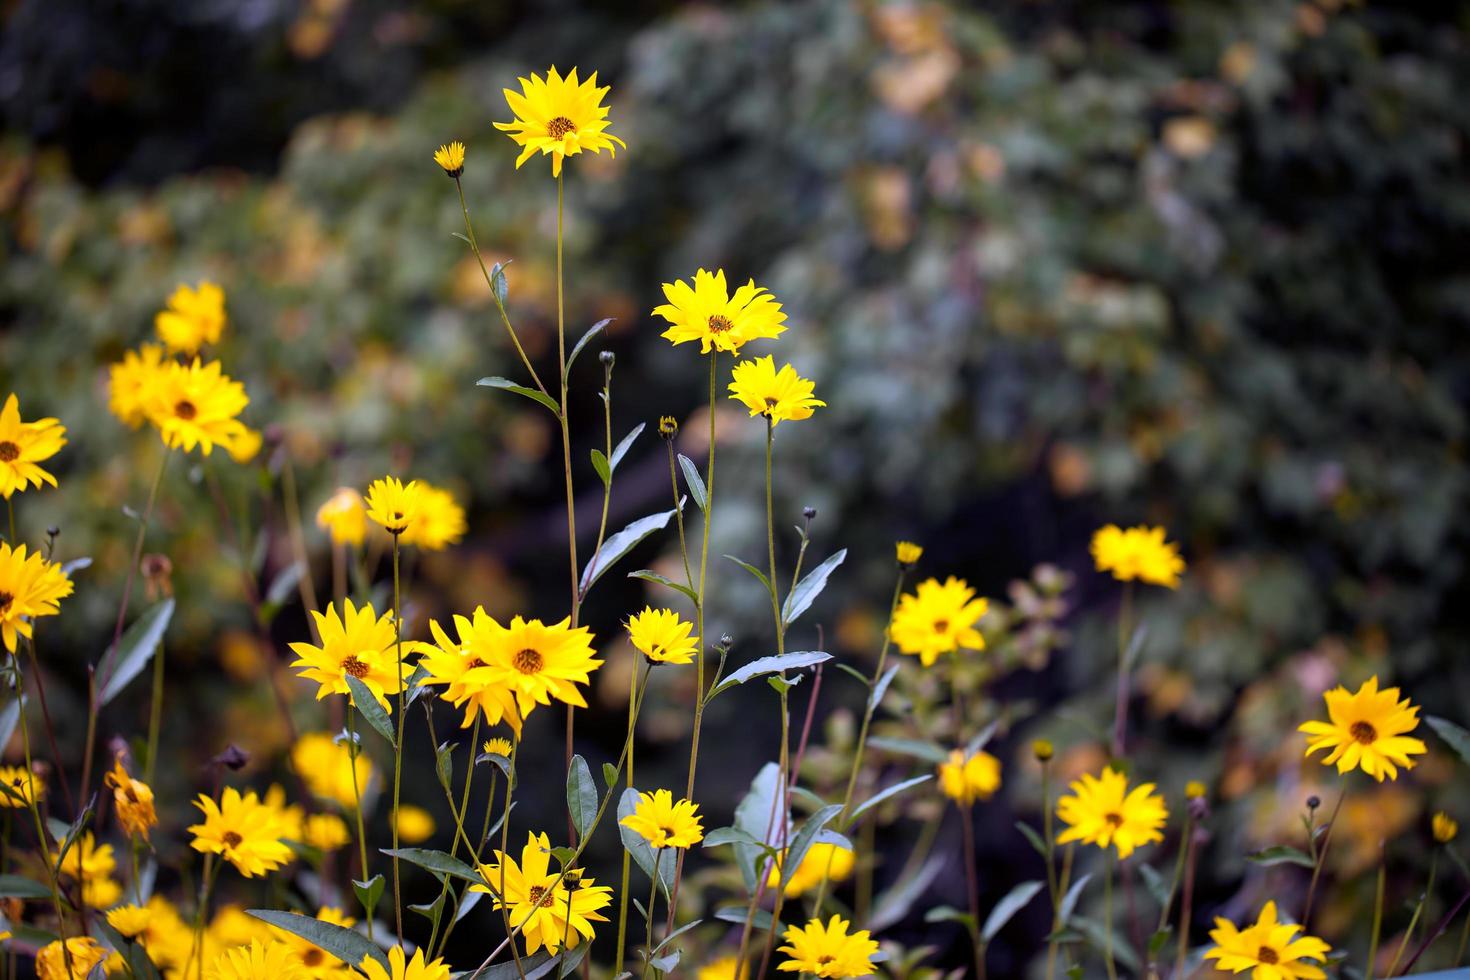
column 938, row 619
column 23, row 445
column 261, row 960
column 661, row 636
column 30, row 586
column 1104, row 812
column 546, row 910
column 131, row 382
column 539, row 662
column 130, row 921
column 438, row 522
column 1367, row 730
column 402, row 968
column 560, row 117
column 194, row 317
column 1444, row 827
column 1137, row 553
column 313, row 961
column 724, row 968
column 290, row 818
column 22, row 787
column 706, row 312
column 91, row 865
column 392, row 504
column 907, row 553
column 85, row 954
column 325, row 832
column 415, row 824
column 497, row 746
column 327, row 767
column 967, row 778
column 781, row 396
column 132, row 799
column 822, row 860
column 828, row 950
column 464, row 669
column 663, row 822
column 1270, row 949
column 358, row 642
column 344, row 517
column 450, row 156
column 196, row 404
column 243, row 830
column 245, row 446
column 233, row 926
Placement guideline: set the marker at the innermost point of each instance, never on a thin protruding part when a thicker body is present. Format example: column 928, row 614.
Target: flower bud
column 668, row 426
column 1042, row 749
column 907, row 553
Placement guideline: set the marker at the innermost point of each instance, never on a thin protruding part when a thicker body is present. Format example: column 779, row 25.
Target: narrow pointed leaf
column 619, row 544
column 772, row 665
column 811, row 586
column 505, row 384
column 696, row 484
column 652, row 576
column 581, row 796
column 599, row 463
column 140, row 642
column 804, row 839
column 760, row 575
column 621, row 449
column 366, row 705
column 1457, row 737
column 437, row 862
column 1005, row 909
column 887, row 794
column 347, row 945
column 592, row 331
column 881, row 688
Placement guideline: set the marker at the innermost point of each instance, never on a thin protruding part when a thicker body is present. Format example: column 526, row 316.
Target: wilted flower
column 1445, row 827
column 133, row 801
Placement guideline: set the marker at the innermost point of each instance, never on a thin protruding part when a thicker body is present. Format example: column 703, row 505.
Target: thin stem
column 1186, row 903
column 566, row 461
column 1056, row 918
column 679, row 515
column 362, row 859
column 627, row 869
column 1368, row 970
column 972, row 887
column 510, row 934
column 398, row 742
column 304, row 584
column 1414, row 919
column 206, row 887
column 47, row 725
column 458, row 813
column 658, row 855
column 1120, row 712
column 1108, row 917
column 155, row 715
column 31, row 797
column 1321, row 860
column 1439, row 931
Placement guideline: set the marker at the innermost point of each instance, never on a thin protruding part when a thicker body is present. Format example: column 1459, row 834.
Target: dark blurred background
column 1051, row 264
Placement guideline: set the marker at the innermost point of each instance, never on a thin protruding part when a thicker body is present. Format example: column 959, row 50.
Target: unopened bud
column 233, row 758
column 668, row 426
column 1313, row 802
column 809, row 513
column 608, row 358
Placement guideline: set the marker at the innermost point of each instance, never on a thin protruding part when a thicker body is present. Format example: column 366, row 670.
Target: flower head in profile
column 21, row 787
column 938, row 618
column 130, row 384
column 828, row 950
column 1366, row 730
column 558, row 116
column 497, row 746
column 415, row 824
column 722, row 968
column 325, row 832
column 245, row 446
column 24, row 446
column 450, row 156
column 242, row 829
column 1103, row 811
column 967, row 777
column 160, row 929
column 661, row 636
column 438, row 521
column 260, row 960
column 907, row 554
column 329, row 770
column 357, row 643
column 196, row 404
column 193, row 318
column 537, row 662
column 30, row 586
column 343, row 517
column 400, row 967
column 463, row 668
column 1138, row 553
column 664, row 822
column 533, row 895
column 706, row 312
column 781, row 396
column 132, row 799
column 822, row 861
column 91, row 865
column 1270, row 949
column 393, row 505
column 313, row 961
column 84, row 953
column 1444, row 827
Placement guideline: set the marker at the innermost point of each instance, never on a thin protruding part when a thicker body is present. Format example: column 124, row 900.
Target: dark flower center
column 940, row 625
column 719, row 324
column 233, row 839
column 185, row 409
column 5, row 600
column 559, row 127
column 8, row 451
column 1114, row 819
column 355, row 667
column 527, row 661
column 312, row 957
column 1364, row 732
column 1267, row 955
column 541, row 897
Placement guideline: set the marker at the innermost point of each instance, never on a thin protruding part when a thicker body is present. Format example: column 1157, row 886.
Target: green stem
column 1321, row 860
column 1120, row 713
column 52, row 871
column 679, row 519
column 459, row 814
column 398, row 742
column 1108, row 917
column 155, row 716
column 658, row 855
column 1368, row 970
column 353, row 749
column 510, row 934
column 1414, row 919
column 1056, row 919
column 627, row 869
column 972, row 887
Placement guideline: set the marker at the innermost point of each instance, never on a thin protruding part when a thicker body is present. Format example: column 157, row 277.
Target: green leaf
column 760, row 575
column 1155, row 883
column 927, row 751
column 982, row 739
column 644, row 855
column 609, row 775
column 1037, row 844
column 284, row 582
column 804, row 840
column 505, row 384
column 806, row 591
column 1097, row 937
column 1157, row 940
column 1135, row 646
column 140, row 967
column 1281, row 854
column 676, row 934
column 434, row 910
column 619, row 544
column 881, row 688
column 581, row 796
column 599, row 463
column 570, row 959
column 14, row 886
column 437, row 862
column 771, row 665
column 347, row 945
column 737, row 913
column 592, row 331
column 753, row 815
column 120, row 664
column 535, row 968
column 498, row 283
column 1457, row 737
column 562, row 855
column 67, row 834
column 855, row 674
column 948, row 913
column 9, row 718
column 652, row 576
column 696, row 484
column 1005, row 909
column 722, row 836
column 886, row 794
column 368, row 892
column 497, row 760
column 1068, row 904
column 444, row 764
column 621, row 449
column 368, row 707
column 663, row 964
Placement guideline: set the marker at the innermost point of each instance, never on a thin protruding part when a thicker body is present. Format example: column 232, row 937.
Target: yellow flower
column 967, row 778
column 325, row 832
column 663, row 822
column 233, row 926
column 194, row 317
column 133, row 801
column 438, row 522
column 1445, row 827
column 1104, row 812
column 290, row 818
column 450, row 156
column 1137, row 553
column 312, row 960
column 724, row 968
column 343, row 517
column 131, row 381
column 706, row 312
column 938, row 619
column 908, row 553
column 780, row 396
column 402, row 968
column 91, row 865
column 358, row 642
column 1043, row 750
column 530, row 897
column 30, row 586
column 661, row 636
column 415, row 824
column 1270, row 949
column 22, row 787
column 464, row 668
column 497, row 746
column 828, row 951
column 242, row 829
column 559, row 116
column 85, row 953
column 392, row 504
column 1194, row 790
column 196, row 405
column 244, row 447
column 822, row 860
column 130, row 921
column 327, row 768
column 261, row 960
column 538, row 662
column 160, row 929
column 23, row 445
column 1367, row 730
